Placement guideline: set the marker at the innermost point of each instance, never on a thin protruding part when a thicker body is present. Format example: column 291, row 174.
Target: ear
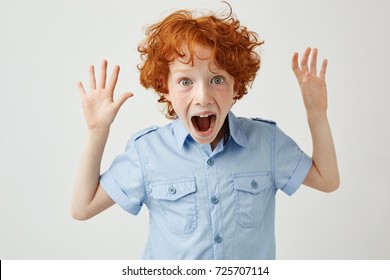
column 164, row 88
column 235, row 88
column 166, row 95
column 235, row 93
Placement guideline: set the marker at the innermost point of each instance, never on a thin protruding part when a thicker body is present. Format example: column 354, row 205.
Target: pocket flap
column 173, row 189
column 252, row 182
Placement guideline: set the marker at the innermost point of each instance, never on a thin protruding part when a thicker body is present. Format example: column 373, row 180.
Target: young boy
column 209, row 178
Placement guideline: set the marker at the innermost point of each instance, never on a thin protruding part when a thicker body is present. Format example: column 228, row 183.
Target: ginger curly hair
column 232, row 47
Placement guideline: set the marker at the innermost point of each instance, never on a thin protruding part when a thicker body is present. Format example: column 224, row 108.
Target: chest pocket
column 177, row 202
column 252, row 192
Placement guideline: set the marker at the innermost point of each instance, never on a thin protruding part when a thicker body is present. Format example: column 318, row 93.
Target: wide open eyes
column 185, row 82
column 217, row 80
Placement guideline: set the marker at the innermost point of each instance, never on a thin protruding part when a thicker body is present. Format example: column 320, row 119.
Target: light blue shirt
column 206, row 204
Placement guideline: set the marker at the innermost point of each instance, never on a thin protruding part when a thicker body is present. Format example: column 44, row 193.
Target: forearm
column 88, row 172
column 324, row 154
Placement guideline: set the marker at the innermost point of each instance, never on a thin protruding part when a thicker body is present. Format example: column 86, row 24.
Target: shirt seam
column 143, row 166
column 273, row 167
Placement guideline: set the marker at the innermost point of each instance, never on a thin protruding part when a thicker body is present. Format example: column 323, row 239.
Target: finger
column 323, row 69
column 103, row 74
column 81, row 89
column 92, row 80
column 114, row 78
column 123, row 98
column 313, row 62
column 294, row 64
column 305, row 59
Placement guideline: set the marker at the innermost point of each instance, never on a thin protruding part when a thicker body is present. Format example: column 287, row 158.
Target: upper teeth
column 204, row 116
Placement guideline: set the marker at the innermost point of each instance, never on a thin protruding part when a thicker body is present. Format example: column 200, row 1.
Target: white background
column 46, row 47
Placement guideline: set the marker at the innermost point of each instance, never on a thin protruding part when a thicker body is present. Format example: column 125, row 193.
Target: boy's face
column 201, row 95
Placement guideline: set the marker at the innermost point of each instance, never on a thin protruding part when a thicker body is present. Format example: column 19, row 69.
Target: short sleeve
column 123, row 181
column 291, row 164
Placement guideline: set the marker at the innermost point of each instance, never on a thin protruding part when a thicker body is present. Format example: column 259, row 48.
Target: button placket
column 217, row 239
column 210, row 162
column 216, row 211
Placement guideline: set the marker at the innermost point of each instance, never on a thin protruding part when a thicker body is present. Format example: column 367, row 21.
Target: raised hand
column 313, row 86
column 324, row 174
column 99, row 106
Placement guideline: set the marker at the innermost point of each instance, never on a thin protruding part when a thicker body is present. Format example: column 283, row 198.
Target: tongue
column 203, row 124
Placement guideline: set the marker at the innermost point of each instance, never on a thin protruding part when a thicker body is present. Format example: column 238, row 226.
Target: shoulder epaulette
column 263, row 120
column 144, row 132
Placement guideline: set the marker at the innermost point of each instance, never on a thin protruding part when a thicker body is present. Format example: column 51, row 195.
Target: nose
column 203, row 96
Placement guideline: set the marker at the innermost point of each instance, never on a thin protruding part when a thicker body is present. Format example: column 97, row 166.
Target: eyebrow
column 215, row 70
column 180, row 70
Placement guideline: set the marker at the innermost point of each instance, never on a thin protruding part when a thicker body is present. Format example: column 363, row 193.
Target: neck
column 221, row 134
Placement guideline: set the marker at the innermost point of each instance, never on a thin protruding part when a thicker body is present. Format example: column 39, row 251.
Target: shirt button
column 254, row 184
column 172, row 190
column 210, row 162
column 217, row 239
column 214, row 200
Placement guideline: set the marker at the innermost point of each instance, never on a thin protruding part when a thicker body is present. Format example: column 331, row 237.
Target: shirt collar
column 236, row 129
column 180, row 132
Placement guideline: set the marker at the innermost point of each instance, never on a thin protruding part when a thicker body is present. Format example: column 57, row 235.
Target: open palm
column 313, row 86
column 99, row 106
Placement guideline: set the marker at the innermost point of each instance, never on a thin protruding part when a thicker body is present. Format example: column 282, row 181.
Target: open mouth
column 204, row 123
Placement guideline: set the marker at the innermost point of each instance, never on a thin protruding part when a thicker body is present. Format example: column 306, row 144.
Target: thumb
column 123, row 98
